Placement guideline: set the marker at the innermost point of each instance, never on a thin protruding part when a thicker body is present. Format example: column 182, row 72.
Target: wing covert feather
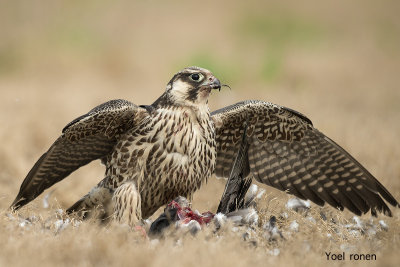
column 87, row 138
column 287, row 152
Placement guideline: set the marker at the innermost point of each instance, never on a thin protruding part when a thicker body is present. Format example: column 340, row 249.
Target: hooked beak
column 213, row 83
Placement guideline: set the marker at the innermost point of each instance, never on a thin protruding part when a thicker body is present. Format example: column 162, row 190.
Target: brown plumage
column 287, row 152
column 155, row 153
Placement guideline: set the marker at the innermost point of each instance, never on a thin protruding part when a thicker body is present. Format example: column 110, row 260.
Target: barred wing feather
column 286, row 152
column 87, row 138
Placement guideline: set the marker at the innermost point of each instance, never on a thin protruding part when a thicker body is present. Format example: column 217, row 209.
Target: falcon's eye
column 197, row 77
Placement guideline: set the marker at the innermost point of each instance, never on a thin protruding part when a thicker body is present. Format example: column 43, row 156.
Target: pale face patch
column 179, row 91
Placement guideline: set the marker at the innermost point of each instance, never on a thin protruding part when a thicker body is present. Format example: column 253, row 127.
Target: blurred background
column 337, row 62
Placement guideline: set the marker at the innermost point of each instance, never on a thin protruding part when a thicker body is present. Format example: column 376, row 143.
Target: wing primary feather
column 20, row 199
column 237, row 184
column 378, row 187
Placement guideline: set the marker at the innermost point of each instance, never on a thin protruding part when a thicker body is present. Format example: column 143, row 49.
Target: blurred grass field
column 336, row 62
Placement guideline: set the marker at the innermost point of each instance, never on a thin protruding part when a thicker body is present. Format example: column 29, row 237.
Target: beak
column 214, row 84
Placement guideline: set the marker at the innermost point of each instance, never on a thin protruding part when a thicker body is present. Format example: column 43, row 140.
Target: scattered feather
column 220, row 220
column 274, row 252
column 253, row 195
column 192, row 227
column 271, row 231
column 60, row 225
column 46, row 198
column 383, row 225
column 298, row 205
column 294, row 226
column 247, row 216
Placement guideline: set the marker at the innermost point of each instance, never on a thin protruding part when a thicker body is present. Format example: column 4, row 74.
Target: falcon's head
column 191, row 86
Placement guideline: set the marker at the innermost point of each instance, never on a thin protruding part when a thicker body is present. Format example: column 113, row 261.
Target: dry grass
column 338, row 63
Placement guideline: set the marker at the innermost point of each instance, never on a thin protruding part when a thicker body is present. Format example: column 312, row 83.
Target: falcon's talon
column 148, row 162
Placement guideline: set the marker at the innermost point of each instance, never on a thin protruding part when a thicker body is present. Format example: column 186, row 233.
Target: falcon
column 155, row 153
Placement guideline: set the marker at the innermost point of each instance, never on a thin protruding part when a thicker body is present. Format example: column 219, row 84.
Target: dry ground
column 338, row 63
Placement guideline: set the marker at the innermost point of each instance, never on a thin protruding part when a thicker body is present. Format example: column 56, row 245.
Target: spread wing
column 287, row 152
column 89, row 137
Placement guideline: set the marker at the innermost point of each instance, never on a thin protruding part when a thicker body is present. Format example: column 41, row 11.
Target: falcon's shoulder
column 110, row 118
column 256, row 110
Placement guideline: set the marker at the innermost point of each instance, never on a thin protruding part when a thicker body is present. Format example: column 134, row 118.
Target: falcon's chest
column 186, row 153
column 185, row 132
column 174, row 142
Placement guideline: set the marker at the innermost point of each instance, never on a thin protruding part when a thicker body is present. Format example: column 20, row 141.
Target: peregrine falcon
column 158, row 152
